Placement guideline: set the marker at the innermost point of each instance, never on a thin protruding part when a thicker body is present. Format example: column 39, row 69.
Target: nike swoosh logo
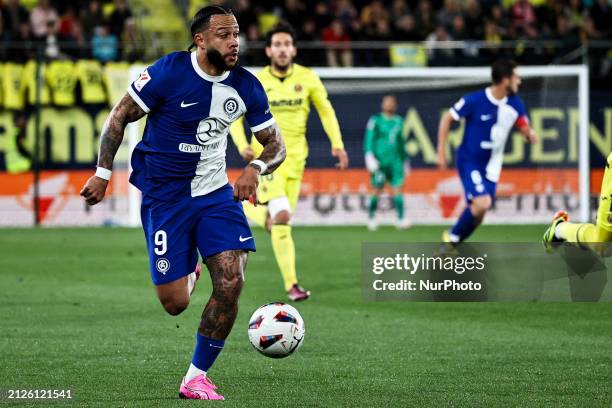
column 244, row 239
column 485, row 117
column 184, row 105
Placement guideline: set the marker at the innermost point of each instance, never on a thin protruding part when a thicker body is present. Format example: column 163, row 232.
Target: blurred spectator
column 547, row 16
column 245, row 14
column 104, row 44
column 313, row 56
column 372, row 13
column 589, row 31
column 493, row 40
column 338, row 50
column 132, row 43
column 118, row 17
column 322, row 16
column 67, row 22
column 523, row 17
column 382, row 33
column 13, row 15
column 448, row 13
column 383, row 30
column 346, row 13
column 406, row 29
column 52, row 49
column 498, row 18
column 71, row 35
column 42, row 18
column 425, row 18
column 473, row 19
column 91, row 18
column 491, row 33
column 253, row 56
column 438, row 50
column 308, row 31
column 22, row 46
column 293, row 13
column 459, row 31
column 576, row 14
column 399, row 8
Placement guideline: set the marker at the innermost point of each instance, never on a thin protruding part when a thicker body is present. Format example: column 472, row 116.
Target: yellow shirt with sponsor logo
column 12, row 79
column 290, row 97
column 62, row 79
column 89, row 73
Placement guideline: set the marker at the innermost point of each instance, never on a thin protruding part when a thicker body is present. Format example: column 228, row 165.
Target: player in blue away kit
column 187, row 203
column 490, row 114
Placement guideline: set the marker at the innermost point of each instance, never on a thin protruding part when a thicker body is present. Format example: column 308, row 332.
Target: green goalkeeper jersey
column 384, row 139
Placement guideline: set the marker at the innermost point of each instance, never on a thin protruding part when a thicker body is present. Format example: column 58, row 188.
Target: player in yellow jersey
column 586, row 235
column 291, row 88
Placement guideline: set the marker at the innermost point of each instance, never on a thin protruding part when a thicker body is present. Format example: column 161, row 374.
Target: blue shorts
column 475, row 182
column 175, row 231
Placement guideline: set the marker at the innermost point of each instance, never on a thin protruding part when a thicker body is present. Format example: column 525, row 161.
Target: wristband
column 262, row 166
column 103, row 173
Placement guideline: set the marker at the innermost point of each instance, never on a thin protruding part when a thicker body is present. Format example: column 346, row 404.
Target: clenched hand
column 246, row 185
column 94, row 190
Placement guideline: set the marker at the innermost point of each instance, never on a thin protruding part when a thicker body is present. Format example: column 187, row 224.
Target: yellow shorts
column 604, row 212
column 284, row 182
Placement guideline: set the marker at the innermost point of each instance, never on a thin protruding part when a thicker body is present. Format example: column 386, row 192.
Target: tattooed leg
column 227, row 274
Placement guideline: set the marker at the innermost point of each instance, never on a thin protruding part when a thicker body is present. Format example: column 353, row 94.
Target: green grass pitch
column 78, row 310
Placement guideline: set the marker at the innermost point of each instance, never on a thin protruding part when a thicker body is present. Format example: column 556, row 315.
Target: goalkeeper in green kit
column 386, row 159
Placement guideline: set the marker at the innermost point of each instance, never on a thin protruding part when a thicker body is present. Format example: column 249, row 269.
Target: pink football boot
column 200, row 387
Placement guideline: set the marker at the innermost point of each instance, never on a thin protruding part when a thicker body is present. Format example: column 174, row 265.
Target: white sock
column 453, row 238
column 558, row 233
column 193, row 372
column 191, row 281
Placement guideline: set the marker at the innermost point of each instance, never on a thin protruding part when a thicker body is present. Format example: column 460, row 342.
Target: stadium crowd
column 339, row 23
column 332, row 33
column 77, row 29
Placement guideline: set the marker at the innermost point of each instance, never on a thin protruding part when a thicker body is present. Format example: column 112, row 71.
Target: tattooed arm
column 273, row 155
column 124, row 112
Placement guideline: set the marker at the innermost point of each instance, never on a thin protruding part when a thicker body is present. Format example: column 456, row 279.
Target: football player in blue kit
column 490, row 114
column 188, row 205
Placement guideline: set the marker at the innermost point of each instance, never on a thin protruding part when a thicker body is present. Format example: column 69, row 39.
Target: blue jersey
column 488, row 122
column 182, row 152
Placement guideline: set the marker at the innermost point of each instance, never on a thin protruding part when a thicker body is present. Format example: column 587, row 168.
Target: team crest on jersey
column 142, row 80
column 230, row 106
column 162, row 265
column 297, row 88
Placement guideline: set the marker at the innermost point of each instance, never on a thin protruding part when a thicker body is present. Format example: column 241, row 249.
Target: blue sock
column 206, row 352
column 466, row 224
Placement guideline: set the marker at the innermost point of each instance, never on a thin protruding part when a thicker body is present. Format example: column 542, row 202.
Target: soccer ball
column 276, row 330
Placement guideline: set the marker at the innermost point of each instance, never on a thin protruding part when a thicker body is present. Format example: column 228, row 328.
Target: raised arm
column 124, row 112
column 271, row 157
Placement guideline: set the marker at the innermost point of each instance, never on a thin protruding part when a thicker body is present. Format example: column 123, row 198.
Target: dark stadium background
column 533, row 33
